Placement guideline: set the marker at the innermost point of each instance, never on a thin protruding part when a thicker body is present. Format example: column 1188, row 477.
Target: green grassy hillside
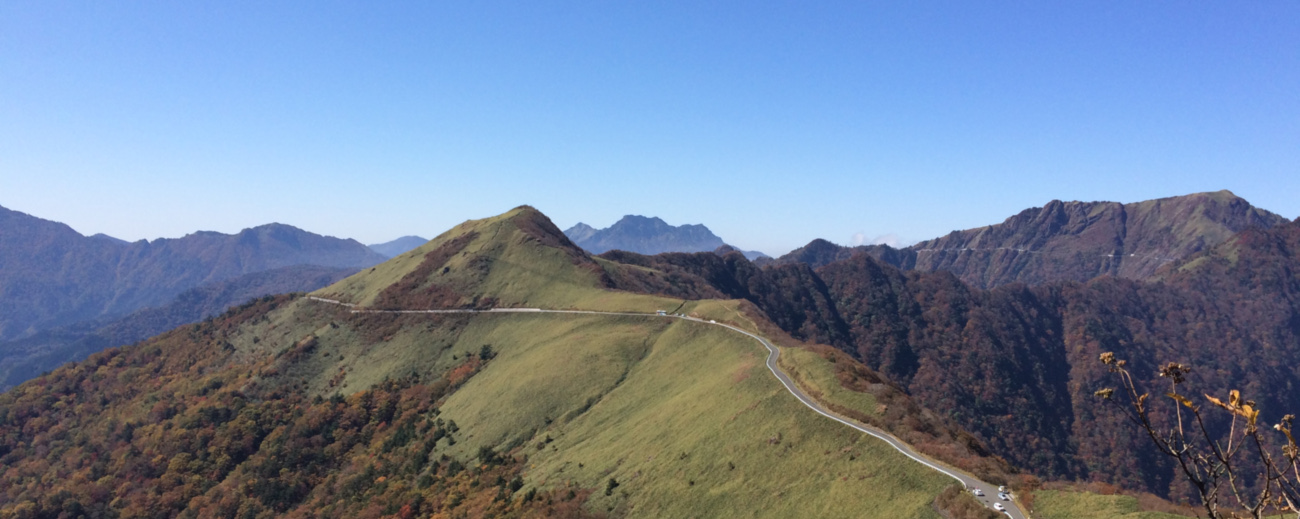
column 654, row 403
column 1059, row 504
column 683, row 416
column 854, row 391
column 630, row 416
column 516, row 259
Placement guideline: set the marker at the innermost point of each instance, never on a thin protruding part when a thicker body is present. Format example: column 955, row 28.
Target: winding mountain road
column 990, row 491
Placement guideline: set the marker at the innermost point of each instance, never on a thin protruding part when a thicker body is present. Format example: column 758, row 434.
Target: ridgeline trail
column 989, row 490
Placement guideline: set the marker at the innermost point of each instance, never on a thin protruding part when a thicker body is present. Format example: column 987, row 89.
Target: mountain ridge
column 1125, row 240
column 51, row 275
column 1068, row 241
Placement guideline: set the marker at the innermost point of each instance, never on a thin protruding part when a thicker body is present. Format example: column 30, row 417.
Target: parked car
column 977, row 492
column 999, row 507
column 1004, row 496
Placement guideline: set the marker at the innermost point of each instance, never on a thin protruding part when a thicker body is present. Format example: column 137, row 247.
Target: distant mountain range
column 642, row 235
column 52, row 276
column 64, row 295
column 398, row 246
column 1068, row 241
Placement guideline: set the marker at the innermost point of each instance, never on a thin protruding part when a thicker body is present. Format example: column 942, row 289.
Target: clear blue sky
column 771, row 123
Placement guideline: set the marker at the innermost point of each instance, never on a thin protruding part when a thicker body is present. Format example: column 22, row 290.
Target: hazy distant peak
column 110, row 239
column 273, row 226
column 580, row 232
column 393, row 248
column 636, row 221
column 277, row 230
column 644, row 235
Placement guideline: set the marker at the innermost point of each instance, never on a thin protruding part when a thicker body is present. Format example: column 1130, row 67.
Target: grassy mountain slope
column 688, row 421
column 1017, row 365
column 1059, row 504
column 25, row 358
column 189, row 424
column 296, row 407
column 518, row 259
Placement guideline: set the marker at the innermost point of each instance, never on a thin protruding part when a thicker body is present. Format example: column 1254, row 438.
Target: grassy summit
column 517, row 259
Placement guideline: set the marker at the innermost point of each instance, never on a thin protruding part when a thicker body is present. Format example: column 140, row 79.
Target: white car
column 999, row 507
column 1002, row 489
column 978, row 492
column 1004, row 496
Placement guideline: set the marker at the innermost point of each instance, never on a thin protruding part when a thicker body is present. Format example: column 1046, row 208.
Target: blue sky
column 772, row 123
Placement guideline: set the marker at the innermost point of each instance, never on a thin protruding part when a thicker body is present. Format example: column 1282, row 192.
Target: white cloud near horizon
column 890, row 239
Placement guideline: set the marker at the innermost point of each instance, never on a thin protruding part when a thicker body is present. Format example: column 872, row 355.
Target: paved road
column 773, row 353
column 990, row 491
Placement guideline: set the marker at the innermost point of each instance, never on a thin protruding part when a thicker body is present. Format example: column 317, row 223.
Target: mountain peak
column 1081, row 240
column 271, row 227
column 640, row 218
column 580, row 232
column 1223, row 194
column 488, row 262
column 636, row 219
column 818, row 253
column 533, row 223
column 644, row 235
